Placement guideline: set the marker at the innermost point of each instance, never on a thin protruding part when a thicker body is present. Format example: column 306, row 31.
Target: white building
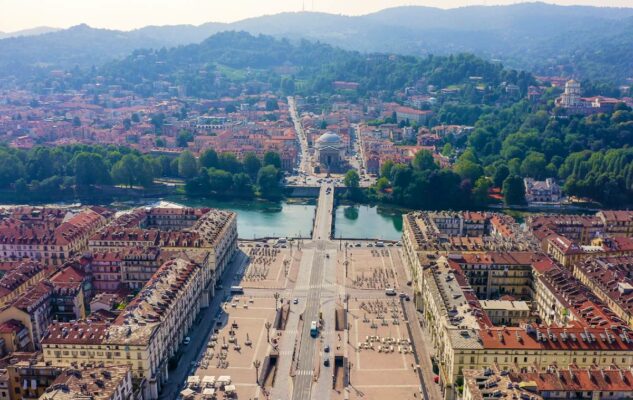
column 546, row 191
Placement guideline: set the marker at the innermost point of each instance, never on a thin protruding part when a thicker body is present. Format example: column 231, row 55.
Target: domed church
column 330, row 151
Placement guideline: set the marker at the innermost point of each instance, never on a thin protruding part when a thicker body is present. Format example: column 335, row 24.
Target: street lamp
column 257, row 364
column 268, row 325
column 276, row 296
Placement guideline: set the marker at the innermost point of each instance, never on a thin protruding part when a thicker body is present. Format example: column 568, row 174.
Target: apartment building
column 617, row 222
column 33, row 309
column 96, row 383
column 611, row 279
column 561, row 298
column 18, row 280
column 494, row 274
column 554, row 383
column 48, row 236
column 144, row 336
column 212, row 230
column 465, row 336
column 29, row 376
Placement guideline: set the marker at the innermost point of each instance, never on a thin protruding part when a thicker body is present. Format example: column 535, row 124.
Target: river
column 367, row 222
column 263, row 219
column 295, row 217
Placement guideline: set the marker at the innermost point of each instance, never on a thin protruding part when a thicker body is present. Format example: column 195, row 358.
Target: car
column 409, row 283
column 326, row 348
column 403, row 295
column 186, row 341
column 326, row 362
column 357, row 245
column 295, row 301
column 407, row 298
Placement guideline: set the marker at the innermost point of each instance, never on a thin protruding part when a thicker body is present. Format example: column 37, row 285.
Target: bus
column 314, row 331
column 237, row 290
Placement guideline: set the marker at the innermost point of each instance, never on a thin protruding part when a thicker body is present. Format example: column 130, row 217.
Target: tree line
column 590, row 155
column 50, row 173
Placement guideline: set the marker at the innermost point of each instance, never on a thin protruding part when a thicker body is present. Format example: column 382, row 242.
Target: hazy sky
column 130, row 14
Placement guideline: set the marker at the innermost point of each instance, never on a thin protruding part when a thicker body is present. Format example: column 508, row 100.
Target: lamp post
column 257, row 364
column 268, row 325
column 276, row 296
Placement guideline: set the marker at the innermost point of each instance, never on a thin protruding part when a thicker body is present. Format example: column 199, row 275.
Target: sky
column 129, row 14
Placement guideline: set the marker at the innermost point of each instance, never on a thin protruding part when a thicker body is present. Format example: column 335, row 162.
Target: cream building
column 464, row 335
column 145, row 336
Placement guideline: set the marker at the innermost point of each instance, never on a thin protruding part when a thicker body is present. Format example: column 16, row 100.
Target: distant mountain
column 28, row 32
column 536, row 36
column 232, row 57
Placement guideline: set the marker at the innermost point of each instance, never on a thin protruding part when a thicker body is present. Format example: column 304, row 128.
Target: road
column 304, row 166
column 307, row 355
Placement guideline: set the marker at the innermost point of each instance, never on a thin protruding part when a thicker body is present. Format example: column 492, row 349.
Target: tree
column 288, row 86
column 272, row 158
column 183, row 139
column 467, row 169
column 220, row 181
column 209, row 159
column 268, row 181
column 480, row 191
column 423, row 160
column 242, row 184
column 89, row 169
column 501, row 173
column 228, row 162
column 352, row 180
column 534, row 165
column 124, row 171
column 11, row 169
column 513, row 191
column 132, row 170
column 199, row 185
column 158, row 120
column 187, row 165
column 382, row 184
column 447, row 150
column 271, row 105
column 251, row 164
column 385, row 169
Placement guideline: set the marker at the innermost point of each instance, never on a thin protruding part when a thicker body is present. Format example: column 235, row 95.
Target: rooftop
column 100, row 383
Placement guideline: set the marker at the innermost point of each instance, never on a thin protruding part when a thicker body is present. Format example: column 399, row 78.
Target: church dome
column 329, row 138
